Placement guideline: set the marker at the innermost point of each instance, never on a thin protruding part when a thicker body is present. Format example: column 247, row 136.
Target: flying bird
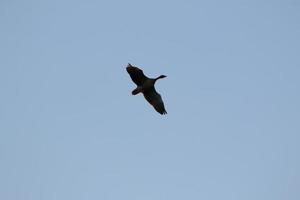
column 145, row 85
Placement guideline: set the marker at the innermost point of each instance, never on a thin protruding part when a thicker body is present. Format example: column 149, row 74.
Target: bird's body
column 145, row 85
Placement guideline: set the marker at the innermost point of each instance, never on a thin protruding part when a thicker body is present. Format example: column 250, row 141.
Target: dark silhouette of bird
column 145, row 85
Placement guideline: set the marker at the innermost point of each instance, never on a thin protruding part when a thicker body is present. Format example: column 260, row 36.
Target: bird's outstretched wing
column 136, row 75
column 154, row 98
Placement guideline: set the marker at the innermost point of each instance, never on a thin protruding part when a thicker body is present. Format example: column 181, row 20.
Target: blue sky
column 70, row 129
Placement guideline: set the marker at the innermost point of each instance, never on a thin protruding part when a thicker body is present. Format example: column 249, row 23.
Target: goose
column 145, row 85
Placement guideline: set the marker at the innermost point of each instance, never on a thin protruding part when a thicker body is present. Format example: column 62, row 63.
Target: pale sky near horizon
column 70, row 128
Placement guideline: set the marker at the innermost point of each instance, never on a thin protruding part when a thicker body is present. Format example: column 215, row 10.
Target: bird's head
column 161, row 76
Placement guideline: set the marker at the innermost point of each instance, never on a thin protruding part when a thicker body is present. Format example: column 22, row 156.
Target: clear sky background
column 70, row 128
